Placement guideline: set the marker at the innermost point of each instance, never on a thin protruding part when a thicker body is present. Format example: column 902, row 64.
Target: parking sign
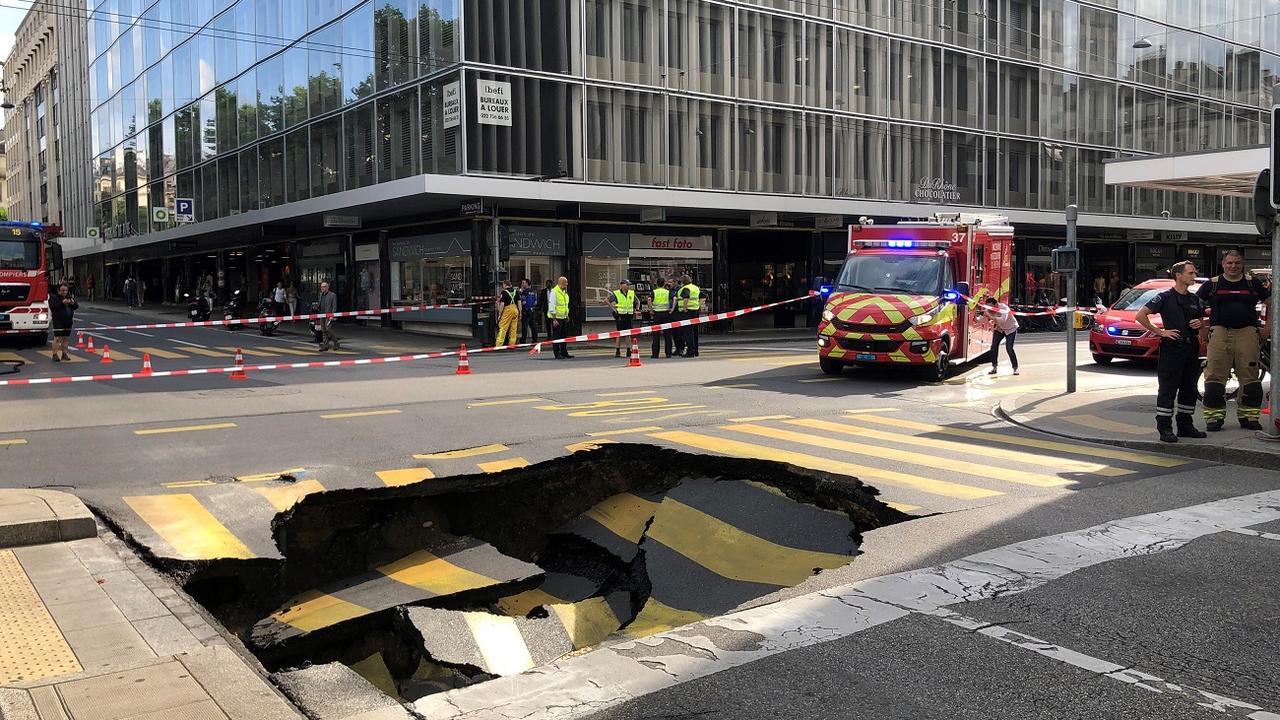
column 184, row 210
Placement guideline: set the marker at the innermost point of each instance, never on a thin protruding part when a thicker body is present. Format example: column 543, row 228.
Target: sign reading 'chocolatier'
column 937, row 190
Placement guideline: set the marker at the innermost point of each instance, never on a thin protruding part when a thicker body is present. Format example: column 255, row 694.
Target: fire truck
column 908, row 294
column 27, row 259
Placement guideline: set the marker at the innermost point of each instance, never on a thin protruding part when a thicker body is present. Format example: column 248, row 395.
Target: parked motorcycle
column 265, row 311
column 317, row 331
column 231, row 311
column 199, row 309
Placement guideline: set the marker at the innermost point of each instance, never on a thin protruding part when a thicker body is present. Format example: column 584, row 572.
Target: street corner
column 34, row 516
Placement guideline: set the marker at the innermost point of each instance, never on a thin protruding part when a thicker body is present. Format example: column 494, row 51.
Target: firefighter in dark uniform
column 1178, row 368
column 1235, row 342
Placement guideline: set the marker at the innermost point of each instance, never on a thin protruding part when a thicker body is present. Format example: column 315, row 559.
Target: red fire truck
column 908, row 294
column 27, row 258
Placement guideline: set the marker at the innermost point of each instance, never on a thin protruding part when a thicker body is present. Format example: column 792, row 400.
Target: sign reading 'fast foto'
column 493, row 102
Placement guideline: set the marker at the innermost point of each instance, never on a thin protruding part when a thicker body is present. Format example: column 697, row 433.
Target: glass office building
column 606, row 138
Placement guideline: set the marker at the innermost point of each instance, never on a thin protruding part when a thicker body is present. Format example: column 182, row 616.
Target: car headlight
column 921, row 319
column 42, row 317
column 828, row 315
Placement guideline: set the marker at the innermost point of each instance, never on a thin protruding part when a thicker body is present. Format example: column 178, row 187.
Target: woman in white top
column 1006, row 329
column 278, row 298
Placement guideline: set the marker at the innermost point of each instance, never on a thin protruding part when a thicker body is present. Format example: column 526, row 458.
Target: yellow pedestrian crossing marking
column 434, row 574
column 251, row 352
column 950, row 446
column 191, row 530
column 588, row 445
column 118, row 355
column 500, row 643
column 1096, row 451
column 297, row 351
column 464, row 453
column 360, row 413
column 7, row 356
column 75, row 357
column 21, row 441
column 313, row 610
column 625, row 515
column 1100, row 423
column 262, row 477
column 283, row 497
column 915, row 458
column 736, row 448
column 629, row 392
column 500, row 465
column 902, row 506
column 162, row 353
column 587, row 622
column 656, row 617
column 760, row 418
column 187, row 428
column 515, row 401
column 623, row 431
column 207, row 352
column 404, row 476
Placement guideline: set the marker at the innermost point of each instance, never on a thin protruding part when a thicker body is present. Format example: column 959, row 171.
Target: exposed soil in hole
column 450, row 581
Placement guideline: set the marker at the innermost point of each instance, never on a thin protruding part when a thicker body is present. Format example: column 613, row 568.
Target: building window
column 357, row 139
column 597, row 130
column 598, row 28
column 326, row 137
column 297, row 165
column 397, row 135
column 635, row 24
column 635, row 126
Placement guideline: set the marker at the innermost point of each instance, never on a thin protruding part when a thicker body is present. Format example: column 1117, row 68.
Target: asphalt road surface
column 1178, row 626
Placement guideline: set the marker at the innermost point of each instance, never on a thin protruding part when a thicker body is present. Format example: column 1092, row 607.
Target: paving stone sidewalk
column 89, row 631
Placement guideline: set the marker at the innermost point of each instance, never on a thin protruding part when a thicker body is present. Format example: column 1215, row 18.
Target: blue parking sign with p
column 184, row 209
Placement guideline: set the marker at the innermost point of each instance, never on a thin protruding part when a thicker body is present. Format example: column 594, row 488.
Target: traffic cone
column 91, row 348
column 106, row 355
column 635, row 352
column 79, row 341
column 464, row 366
column 146, row 364
column 238, row 373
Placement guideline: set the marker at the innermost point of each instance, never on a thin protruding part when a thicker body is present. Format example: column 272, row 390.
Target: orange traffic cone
column 464, row 366
column 91, row 348
column 106, row 354
column 238, row 373
column 146, row 364
column 635, row 352
column 79, row 341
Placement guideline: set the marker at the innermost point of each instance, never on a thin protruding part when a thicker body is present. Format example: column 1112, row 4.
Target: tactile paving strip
column 31, row 645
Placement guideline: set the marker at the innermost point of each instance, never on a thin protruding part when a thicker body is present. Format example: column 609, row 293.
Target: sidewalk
column 88, row 631
column 1125, row 417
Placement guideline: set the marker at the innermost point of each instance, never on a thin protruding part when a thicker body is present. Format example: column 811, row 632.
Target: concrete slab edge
column 1211, row 453
column 71, row 520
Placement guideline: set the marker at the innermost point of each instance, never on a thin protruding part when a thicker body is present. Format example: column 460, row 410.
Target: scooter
column 231, row 311
column 264, row 311
column 199, row 308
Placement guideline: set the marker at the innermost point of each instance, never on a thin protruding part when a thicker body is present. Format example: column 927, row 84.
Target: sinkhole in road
column 451, row 581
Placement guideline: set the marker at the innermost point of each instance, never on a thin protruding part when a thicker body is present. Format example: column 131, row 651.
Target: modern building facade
column 416, row 150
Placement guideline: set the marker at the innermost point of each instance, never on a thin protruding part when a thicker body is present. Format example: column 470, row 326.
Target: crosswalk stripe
column 313, row 610
column 587, row 622
column 500, row 643
column 1095, row 422
column 733, row 553
column 8, row 356
column 1076, row 449
column 656, row 617
column 208, row 353
column 283, row 497
column 404, row 476
column 252, row 352
column 736, row 448
column 192, row 531
column 464, row 453
column 915, row 458
column 436, row 575
column 625, row 515
column 118, row 355
column 575, row 447
column 162, row 353
column 760, row 418
column 500, row 465
column 76, row 357
column 950, row 446
column 295, row 351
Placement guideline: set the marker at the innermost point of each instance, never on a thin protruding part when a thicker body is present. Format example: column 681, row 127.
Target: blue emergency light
column 37, row 225
column 951, row 296
column 826, row 290
column 1113, row 330
column 902, row 243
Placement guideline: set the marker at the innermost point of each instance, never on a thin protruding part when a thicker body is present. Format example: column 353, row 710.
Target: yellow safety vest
column 561, row 310
column 661, row 299
column 626, row 304
column 692, row 302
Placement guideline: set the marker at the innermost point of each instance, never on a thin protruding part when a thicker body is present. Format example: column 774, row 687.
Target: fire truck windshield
column 19, row 253
column 908, row 274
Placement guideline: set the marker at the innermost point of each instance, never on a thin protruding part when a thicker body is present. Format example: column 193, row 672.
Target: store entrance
column 765, row 267
column 1103, row 280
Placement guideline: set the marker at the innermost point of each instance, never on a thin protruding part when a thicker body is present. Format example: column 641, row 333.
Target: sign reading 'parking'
column 184, row 210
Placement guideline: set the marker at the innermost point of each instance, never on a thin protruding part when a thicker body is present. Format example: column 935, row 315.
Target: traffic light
column 1066, row 259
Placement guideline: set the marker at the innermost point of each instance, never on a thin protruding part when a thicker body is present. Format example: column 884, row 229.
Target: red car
column 1116, row 334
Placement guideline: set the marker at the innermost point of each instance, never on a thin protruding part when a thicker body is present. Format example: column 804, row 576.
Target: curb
column 38, row 517
column 1210, row 453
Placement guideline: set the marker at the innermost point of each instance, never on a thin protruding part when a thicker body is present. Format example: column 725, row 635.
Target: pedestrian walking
column 1178, row 364
column 89, row 285
column 623, row 304
column 1005, row 330
column 528, row 299
column 62, row 308
column 661, row 306
column 328, row 305
column 291, row 298
column 689, row 305
column 508, row 312
column 278, row 299
column 1235, row 343
column 558, row 316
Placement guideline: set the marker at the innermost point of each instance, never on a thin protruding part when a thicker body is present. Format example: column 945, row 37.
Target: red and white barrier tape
column 58, row 379
column 267, row 319
column 1049, row 310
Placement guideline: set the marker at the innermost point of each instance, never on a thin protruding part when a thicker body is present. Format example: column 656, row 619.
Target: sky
column 11, row 14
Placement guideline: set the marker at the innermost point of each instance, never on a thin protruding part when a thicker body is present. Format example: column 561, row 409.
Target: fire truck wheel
column 1102, row 359
column 941, row 366
column 830, row 367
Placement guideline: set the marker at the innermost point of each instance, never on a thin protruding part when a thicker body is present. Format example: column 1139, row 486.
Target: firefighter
column 1178, row 368
column 508, row 308
column 689, row 304
column 1235, row 341
column 623, row 304
column 661, row 306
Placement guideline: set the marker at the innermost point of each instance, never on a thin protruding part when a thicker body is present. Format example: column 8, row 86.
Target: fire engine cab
column 909, row 294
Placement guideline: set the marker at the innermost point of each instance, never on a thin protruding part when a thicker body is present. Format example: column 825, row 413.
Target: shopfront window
column 432, row 269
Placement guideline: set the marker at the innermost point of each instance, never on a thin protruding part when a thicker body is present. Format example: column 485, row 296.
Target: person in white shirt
column 278, row 297
column 1006, row 329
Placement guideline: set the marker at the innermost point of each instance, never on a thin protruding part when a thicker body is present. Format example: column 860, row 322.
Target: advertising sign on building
column 936, row 190
column 673, row 246
column 764, row 219
column 1174, row 236
column 452, row 104
column 493, row 102
column 534, row 240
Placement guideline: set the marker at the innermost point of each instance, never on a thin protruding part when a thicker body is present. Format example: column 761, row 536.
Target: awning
column 1213, row 172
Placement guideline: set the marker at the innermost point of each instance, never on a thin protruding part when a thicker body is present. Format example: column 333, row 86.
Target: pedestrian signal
column 1066, row 259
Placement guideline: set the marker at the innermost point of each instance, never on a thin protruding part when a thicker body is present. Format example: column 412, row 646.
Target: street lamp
column 1141, row 44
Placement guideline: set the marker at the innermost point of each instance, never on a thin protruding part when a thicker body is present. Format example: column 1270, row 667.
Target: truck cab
column 26, row 259
column 909, row 294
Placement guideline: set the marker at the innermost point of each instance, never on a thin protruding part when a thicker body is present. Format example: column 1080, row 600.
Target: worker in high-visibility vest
column 662, row 307
column 558, row 316
column 689, row 305
column 508, row 309
column 623, row 304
